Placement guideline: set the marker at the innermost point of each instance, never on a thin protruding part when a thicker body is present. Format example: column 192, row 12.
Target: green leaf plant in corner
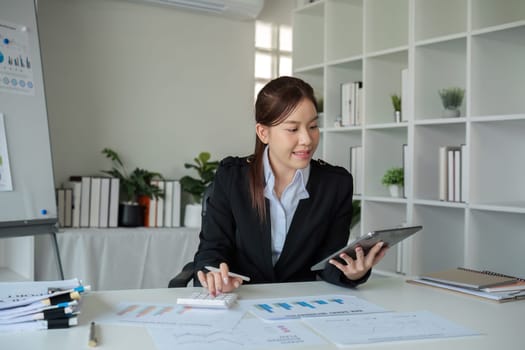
column 135, row 184
column 206, row 171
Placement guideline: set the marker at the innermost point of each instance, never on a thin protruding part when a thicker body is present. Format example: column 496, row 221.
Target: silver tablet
column 390, row 236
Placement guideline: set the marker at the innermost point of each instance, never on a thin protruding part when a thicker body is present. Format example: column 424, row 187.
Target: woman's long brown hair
column 275, row 102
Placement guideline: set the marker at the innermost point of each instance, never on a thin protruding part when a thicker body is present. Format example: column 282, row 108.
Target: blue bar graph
column 312, row 306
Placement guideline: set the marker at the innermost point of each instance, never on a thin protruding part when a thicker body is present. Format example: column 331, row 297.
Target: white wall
column 156, row 84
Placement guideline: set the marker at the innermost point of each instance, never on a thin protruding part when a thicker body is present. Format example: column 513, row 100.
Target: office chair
column 184, row 277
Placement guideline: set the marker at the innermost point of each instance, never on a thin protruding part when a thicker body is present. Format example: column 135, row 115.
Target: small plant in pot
column 196, row 186
column 394, row 179
column 396, row 104
column 135, row 189
column 452, row 98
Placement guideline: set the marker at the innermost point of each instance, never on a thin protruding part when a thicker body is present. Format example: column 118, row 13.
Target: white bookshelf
column 478, row 45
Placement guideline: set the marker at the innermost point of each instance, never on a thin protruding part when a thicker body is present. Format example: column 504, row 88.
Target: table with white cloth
column 118, row 258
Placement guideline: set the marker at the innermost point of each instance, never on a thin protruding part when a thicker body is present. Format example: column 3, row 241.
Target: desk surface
column 500, row 324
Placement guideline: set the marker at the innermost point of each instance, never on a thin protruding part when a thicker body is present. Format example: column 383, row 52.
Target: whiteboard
column 27, row 194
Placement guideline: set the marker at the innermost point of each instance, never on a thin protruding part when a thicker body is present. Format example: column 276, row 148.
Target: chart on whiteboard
column 16, row 65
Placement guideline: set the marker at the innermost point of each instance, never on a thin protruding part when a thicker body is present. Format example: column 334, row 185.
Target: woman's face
column 293, row 142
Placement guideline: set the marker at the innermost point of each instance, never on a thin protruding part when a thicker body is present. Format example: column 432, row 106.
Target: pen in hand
column 231, row 274
column 93, row 340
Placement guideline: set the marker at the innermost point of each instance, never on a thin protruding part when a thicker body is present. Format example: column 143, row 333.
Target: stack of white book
column 93, row 202
column 88, row 201
column 452, row 176
column 165, row 212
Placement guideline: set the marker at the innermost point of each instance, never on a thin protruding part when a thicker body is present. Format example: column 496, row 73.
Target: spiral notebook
column 469, row 278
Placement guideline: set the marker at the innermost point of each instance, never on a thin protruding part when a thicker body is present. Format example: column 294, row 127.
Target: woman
column 276, row 213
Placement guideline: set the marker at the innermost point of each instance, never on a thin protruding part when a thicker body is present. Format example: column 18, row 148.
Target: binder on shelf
column 61, row 206
column 177, row 191
column 113, row 201
column 457, row 175
column 357, row 88
column 68, row 207
column 359, row 105
column 76, row 189
column 168, row 203
column 450, row 175
column 85, row 201
column 160, row 205
column 94, row 202
column 104, row 202
column 346, row 104
column 152, row 213
column 463, row 196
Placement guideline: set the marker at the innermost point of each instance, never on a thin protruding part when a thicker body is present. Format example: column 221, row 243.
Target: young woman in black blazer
column 274, row 214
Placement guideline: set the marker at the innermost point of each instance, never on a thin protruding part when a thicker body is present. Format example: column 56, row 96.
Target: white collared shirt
column 283, row 210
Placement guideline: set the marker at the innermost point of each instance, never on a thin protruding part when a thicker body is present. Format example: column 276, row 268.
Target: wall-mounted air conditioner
column 238, row 9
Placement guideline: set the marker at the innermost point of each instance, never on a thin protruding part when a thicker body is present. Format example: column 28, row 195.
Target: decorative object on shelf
column 394, row 178
column 196, row 187
column 396, row 103
column 134, row 188
column 452, row 98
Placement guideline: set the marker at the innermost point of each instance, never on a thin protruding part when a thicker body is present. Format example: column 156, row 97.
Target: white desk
column 132, row 258
column 500, row 324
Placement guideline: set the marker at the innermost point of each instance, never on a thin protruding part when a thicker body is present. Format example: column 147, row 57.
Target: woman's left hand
column 356, row 268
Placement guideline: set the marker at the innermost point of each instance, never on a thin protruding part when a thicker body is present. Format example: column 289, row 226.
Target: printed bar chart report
column 317, row 306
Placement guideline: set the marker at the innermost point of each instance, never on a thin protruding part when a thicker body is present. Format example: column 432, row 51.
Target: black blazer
column 234, row 234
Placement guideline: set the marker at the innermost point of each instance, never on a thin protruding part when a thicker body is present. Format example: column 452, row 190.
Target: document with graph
column 169, row 315
column 312, row 306
column 386, row 327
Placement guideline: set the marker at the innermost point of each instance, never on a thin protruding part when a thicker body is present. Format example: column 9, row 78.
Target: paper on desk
column 250, row 333
column 309, row 306
column 170, row 315
column 386, row 327
column 14, row 294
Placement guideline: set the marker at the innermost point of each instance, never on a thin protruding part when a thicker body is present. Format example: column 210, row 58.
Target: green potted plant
column 196, row 186
column 394, row 179
column 396, row 104
column 135, row 189
column 452, row 98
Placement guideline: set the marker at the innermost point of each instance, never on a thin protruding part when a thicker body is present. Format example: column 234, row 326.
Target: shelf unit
column 478, row 45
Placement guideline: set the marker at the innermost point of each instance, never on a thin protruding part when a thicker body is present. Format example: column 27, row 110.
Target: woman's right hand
column 219, row 282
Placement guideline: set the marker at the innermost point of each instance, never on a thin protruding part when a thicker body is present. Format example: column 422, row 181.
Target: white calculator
column 204, row 299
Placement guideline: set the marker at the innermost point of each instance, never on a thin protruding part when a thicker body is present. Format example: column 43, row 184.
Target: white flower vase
column 192, row 215
column 451, row 113
column 396, row 191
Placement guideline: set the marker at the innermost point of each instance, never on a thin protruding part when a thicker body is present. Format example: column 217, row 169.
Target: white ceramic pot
column 192, row 215
column 397, row 116
column 396, row 191
column 451, row 113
